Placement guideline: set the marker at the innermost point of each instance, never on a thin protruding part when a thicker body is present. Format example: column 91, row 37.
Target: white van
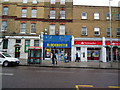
column 6, row 60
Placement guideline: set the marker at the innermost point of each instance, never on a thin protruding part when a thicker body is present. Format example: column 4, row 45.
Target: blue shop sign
column 58, row 41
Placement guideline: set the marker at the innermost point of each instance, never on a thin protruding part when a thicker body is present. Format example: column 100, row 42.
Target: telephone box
column 34, row 55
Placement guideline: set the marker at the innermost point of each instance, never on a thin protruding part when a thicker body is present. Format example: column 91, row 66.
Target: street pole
column 111, row 48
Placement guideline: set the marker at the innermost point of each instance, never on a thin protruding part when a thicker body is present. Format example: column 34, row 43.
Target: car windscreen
column 5, row 54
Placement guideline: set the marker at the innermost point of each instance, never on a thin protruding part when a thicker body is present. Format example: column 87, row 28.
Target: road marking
column 78, row 86
column 114, row 86
column 7, row 74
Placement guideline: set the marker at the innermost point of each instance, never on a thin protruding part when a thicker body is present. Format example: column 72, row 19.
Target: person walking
column 77, row 58
column 53, row 57
column 65, row 57
column 56, row 58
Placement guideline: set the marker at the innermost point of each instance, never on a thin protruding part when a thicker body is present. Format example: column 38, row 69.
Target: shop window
column 62, row 2
column 62, row 14
column 62, row 30
column 5, row 10
column 18, row 41
column 25, row 1
column 96, row 16
column 33, row 28
column 78, row 48
column 23, row 28
column 53, row 1
column 117, row 16
column 52, row 29
column 34, row 12
column 36, row 42
column 108, row 31
column 27, row 44
column 4, row 26
column 84, row 30
column 5, row 44
column 96, row 31
column 52, row 14
column 118, row 31
column 84, row 15
column 24, row 12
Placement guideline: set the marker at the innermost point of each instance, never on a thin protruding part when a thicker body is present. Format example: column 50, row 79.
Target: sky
column 97, row 2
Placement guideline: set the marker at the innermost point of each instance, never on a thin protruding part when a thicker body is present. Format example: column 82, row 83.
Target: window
column 5, row 44
column 18, row 41
column 117, row 16
column 62, row 30
column 5, row 10
column 107, row 16
column 27, row 44
column 84, row 15
column 6, row 0
column 52, row 29
column 108, row 31
column 24, row 12
column 62, row 2
column 84, row 30
column 96, row 16
column 62, row 14
column 78, row 48
column 96, row 31
column 34, row 1
column 118, row 31
column 33, row 28
column 4, row 26
column 23, row 28
column 34, row 11
column 36, row 42
column 52, row 1
column 24, row 1
column 52, row 14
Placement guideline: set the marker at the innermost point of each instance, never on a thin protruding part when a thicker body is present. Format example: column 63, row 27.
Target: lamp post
column 111, row 47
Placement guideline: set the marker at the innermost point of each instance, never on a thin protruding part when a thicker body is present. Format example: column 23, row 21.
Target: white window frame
column 34, row 1
column 52, row 14
column 52, row 1
column 117, row 16
column 6, row 0
column 4, row 26
column 24, row 12
column 84, row 16
column 62, row 14
column 52, row 29
column 33, row 28
column 62, row 29
column 23, row 28
column 108, row 31
column 97, row 30
column 34, row 13
column 117, row 31
column 84, row 31
column 62, row 2
column 5, row 10
column 24, row 1
column 96, row 16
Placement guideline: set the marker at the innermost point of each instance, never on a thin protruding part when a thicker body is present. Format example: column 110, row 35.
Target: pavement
column 73, row 64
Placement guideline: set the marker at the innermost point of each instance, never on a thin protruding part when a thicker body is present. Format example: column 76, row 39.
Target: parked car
column 6, row 60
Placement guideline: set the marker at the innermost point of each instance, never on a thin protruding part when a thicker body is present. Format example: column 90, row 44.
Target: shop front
column 60, row 44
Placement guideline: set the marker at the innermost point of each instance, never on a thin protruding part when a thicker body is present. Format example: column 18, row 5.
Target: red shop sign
column 88, row 42
column 115, row 43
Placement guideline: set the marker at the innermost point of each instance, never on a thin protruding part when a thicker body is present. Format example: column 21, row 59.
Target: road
column 44, row 77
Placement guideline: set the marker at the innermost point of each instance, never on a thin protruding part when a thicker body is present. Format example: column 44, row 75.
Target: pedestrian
column 65, row 57
column 56, row 58
column 53, row 57
column 77, row 58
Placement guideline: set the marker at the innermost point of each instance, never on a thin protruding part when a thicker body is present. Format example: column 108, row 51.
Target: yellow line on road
column 78, row 86
column 114, row 86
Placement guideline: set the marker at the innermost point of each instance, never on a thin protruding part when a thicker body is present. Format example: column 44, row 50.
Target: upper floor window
column 24, row 12
column 33, row 28
column 62, row 2
column 62, row 14
column 53, row 1
column 52, row 29
column 108, row 31
column 36, row 42
column 5, row 10
column 62, row 29
column 23, row 28
column 34, row 1
column 97, row 31
column 96, row 16
column 84, row 15
column 34, row 12
column 25, row 1
column 108, row 16
column 4, row 26
column 117, row 16
column 84, row 30
column 18, row 41
column 118, row 31
column 6, row 0
column 52, row 14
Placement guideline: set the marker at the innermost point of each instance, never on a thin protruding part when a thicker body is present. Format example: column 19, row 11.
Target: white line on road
column 7, row 74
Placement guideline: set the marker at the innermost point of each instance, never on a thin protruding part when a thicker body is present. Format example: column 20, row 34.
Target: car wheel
column 5, row 64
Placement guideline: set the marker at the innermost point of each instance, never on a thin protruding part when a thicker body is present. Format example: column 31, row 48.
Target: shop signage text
column 88, row 42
